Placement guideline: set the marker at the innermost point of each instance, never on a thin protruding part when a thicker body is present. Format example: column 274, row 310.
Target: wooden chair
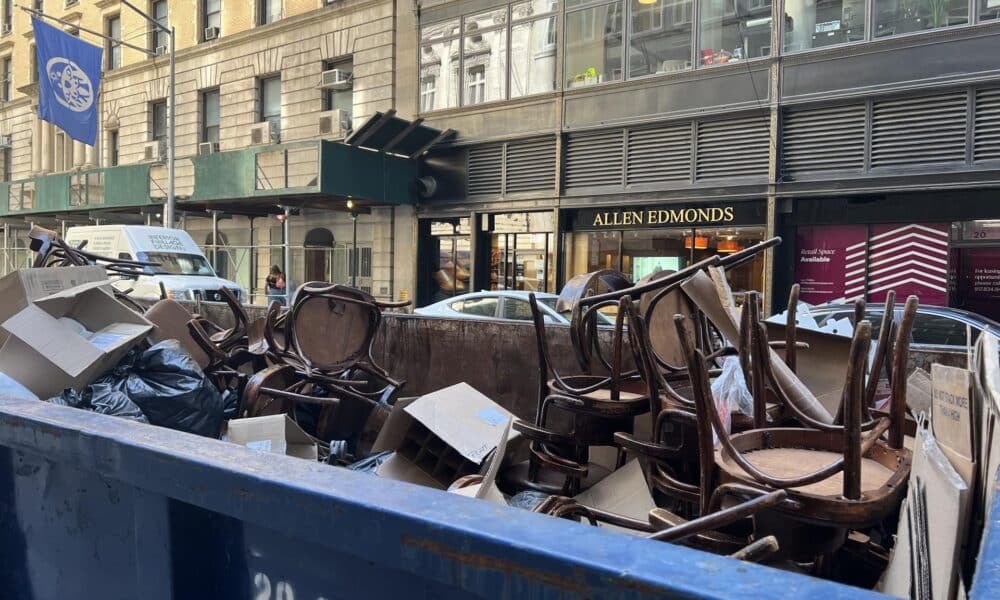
column 322, row 366
column 595, row 405
column 836, row 479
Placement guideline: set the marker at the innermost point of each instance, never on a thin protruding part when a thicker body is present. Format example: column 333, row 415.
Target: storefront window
column 522, row 252
column 451, row 247
column 594, row 45
column 811, row 24
column 734, row 30
column 894, row 17
column 989, row 10
column 660, row 38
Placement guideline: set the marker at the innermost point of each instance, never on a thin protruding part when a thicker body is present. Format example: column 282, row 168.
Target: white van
column 184, row 271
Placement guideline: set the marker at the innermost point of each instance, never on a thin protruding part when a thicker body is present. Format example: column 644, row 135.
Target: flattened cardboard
column 23, row 286
column 951, row 416
column 47, row 355
column 623, row 492
column 273, row 433
column 463, row 418
column 487, row 490
column 822, row 367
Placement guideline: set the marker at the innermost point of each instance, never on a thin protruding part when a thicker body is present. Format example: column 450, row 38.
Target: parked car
column 504, row 304
column 935, row 325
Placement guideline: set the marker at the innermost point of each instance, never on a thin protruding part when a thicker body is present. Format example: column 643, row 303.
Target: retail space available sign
column 979, row 281
column 822, row 258
column 844, row 262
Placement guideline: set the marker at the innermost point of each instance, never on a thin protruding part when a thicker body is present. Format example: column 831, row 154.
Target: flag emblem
column 70, row 85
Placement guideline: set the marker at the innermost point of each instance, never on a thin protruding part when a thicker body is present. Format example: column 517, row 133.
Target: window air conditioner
column 153, row 151
column 211, row 33
column 334, row 123
column 264, row 133
column 336, row 79
column 161, row 50
column 208, row 147
column 5, row 141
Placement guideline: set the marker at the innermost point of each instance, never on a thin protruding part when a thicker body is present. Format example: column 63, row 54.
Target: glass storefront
column 450, row 255
column 521, row 252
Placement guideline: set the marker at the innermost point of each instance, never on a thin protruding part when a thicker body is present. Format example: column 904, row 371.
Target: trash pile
column 701, row 423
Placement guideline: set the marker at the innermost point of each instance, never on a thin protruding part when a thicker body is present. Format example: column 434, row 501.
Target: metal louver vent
column 660, row 154
column 825, row 139
column 915, row 131
column 531, row 165
column 986, row 132
column 485, row 170
column 733, row 148
column 594, row 159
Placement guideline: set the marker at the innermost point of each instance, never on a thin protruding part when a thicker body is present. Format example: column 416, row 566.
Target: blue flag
column 69, row 77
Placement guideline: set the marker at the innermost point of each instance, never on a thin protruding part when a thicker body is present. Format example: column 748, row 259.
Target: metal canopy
column 389, row 134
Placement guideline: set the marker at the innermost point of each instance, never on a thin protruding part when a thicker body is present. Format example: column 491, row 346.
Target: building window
column 211, row 17
column 113, row 148
column 60, row 152
column 342, row 97
column 811, row 24
column 484, row 56
column 269, row 100
column 268, row 11
column 989, row 10
column 732, row 31
column 8, row 15
column 158, row 115
column 160, row 38
column 475, row 82
column 893, row 17
column 533, row 50
column 6, row 79
column 210, row 116
column 39, row 5
column 113, row 29
column 594, row 45
column 428, row 87
column 661, row 37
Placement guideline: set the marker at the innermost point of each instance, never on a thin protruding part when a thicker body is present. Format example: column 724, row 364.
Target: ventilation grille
column 733, row 148
column 827, row 139
column 658, row 155
column 987, row 127
column 485, row 170
column 594, row 159
column 914, row 131
column 531, row 166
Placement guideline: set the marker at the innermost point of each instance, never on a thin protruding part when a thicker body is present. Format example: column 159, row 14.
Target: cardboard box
column 441, row 436
column 623, row 492
column 69, row 339
column 273, row 433
column 23, row 286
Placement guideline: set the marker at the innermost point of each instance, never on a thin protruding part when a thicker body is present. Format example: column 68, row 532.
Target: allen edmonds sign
column 737, row 213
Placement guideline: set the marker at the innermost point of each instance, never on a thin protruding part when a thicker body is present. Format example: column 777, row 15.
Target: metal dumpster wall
column 93, row 506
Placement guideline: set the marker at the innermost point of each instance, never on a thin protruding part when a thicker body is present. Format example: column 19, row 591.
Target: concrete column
column 90, row 156
column 48, row 147
column 36, row 145
column 78, row 153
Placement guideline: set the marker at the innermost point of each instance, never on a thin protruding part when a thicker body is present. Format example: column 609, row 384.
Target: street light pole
column 168, row 214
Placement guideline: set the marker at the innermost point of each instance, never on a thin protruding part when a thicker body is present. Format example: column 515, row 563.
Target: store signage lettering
column 675, row 216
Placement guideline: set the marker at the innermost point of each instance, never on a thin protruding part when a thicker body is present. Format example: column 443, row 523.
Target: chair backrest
column 332, row 328
column 658, row 308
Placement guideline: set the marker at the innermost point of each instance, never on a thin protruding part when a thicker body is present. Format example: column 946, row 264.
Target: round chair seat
column 787, row 453
column 629, row 403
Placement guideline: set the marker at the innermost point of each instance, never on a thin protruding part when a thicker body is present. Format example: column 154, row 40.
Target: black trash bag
column 172, row 390
column 100, row 398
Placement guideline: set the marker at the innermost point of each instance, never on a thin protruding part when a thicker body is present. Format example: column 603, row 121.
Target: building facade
column 265, row 89
column 644, row 134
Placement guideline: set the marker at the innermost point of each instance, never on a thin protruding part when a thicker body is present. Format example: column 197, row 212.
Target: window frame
column 330, row 95
column 153, row 108
column 112, row 51
column 114, row 148
column 157, row 35
column 206, row 16
column 205, row 129
column 6, row 78
column 262, row 82
column 263, row 14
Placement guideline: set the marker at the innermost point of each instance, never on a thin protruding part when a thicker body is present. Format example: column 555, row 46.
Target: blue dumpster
column 97, row 507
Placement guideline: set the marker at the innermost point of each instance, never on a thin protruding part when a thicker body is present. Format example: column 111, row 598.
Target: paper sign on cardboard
column 273, row 433
column 951, row 418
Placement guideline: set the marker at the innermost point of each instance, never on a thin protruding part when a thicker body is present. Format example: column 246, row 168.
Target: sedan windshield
column 177, row 264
